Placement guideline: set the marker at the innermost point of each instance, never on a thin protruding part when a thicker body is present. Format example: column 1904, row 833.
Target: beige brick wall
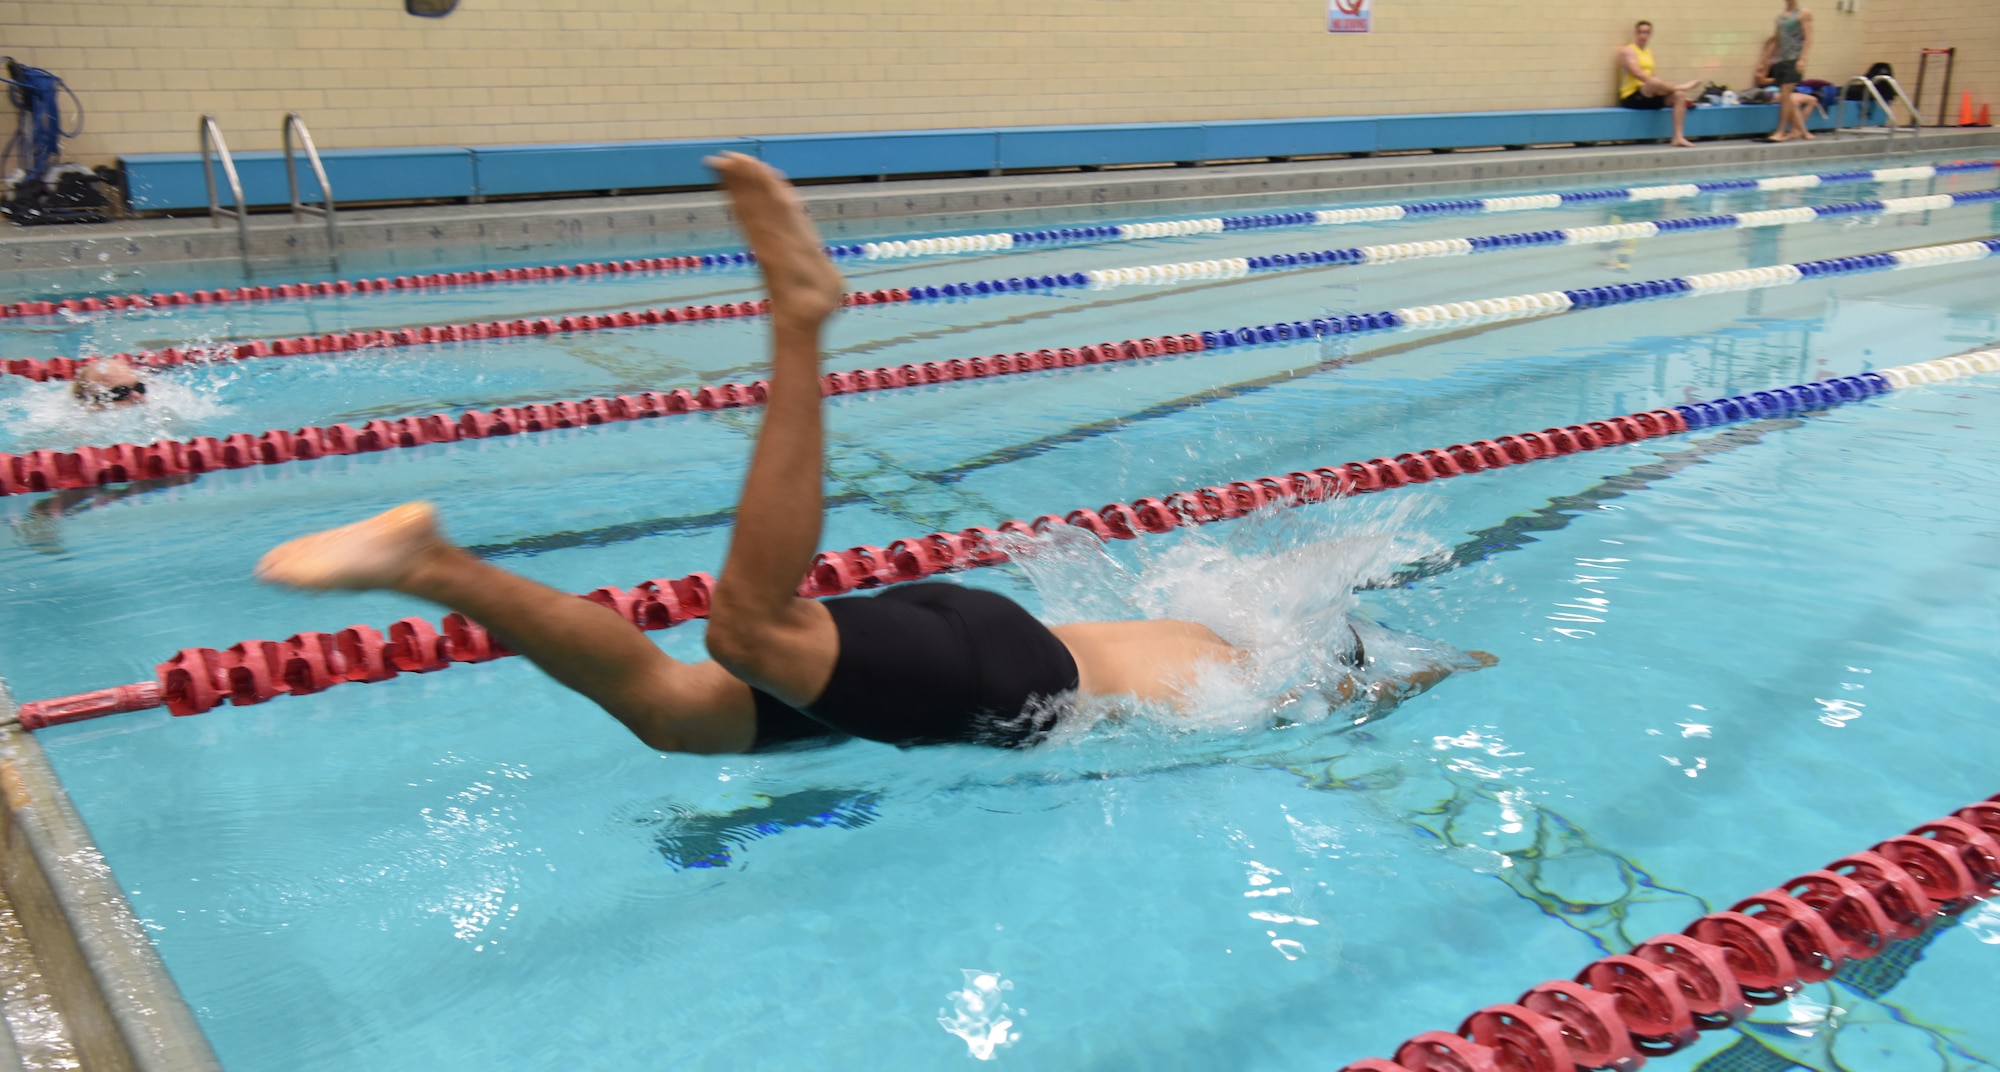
column 500, row 71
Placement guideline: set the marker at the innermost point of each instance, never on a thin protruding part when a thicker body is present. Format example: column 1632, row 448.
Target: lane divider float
column 990, row 242
column 1455, row 314
column 1623, row 1009
column 48, row 470
column 65, row 368
column 1236, row 267
column 196, row 680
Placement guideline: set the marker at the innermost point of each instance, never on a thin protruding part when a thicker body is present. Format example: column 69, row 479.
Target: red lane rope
column 49, row 470
column 1623, row 1009
column 340, row 287
column 253, row 671
column 65, row 368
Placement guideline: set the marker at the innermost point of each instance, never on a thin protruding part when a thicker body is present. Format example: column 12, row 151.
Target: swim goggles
column 123, row 391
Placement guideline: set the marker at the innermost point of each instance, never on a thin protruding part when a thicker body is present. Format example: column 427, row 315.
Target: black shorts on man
column 1639, row 100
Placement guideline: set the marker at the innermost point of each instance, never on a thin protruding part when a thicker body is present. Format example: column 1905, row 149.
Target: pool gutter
column 121, row 1008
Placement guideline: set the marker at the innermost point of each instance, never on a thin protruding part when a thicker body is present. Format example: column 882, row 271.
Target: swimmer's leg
column 759, row 628
column 670, row 705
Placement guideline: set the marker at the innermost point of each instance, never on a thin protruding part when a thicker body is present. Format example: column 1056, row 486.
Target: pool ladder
column 1875, row 95
column 214, row 149
column 213, row 146
column 325, row 206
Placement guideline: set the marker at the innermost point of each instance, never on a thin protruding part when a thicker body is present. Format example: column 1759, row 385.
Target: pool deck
column 97, row 990
column 283, row 248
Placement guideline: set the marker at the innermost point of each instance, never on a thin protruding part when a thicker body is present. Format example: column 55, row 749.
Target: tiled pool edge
column 122, row 1008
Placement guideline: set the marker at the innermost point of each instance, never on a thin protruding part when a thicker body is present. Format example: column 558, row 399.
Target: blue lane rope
column 1547, row 303
column 1236, row 267
column 1322, row 217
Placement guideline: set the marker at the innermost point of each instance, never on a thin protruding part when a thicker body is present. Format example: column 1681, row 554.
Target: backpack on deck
column 1880, row 74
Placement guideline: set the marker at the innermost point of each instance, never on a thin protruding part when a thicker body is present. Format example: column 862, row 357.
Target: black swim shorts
column 931, row 664
column 1785, row 72
column 1638, row 99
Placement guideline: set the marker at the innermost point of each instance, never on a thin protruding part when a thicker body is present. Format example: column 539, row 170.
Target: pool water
column 1725, row 658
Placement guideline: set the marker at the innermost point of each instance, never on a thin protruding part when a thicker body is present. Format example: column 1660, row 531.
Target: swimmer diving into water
column 917, row 664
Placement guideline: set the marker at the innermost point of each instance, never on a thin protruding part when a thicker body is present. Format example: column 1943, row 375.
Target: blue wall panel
column 173, row 180
column 825, row 156
column 1288, row 137
column 1597, row 124
column 1095, row 146
column 1453, row 131
column 1718, row 122
column 539, row 169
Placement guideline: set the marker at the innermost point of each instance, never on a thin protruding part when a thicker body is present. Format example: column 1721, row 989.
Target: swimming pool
column 1725, row 658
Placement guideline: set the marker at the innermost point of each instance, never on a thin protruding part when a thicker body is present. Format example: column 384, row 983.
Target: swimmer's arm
column 1628, row 59
column 1385, row 694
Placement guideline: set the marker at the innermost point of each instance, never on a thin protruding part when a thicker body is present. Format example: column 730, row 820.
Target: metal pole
column 211, row 135
column 1944, row 105
column 326, row 206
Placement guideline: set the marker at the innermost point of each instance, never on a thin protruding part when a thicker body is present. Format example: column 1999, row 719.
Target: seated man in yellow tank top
column 1637, row 88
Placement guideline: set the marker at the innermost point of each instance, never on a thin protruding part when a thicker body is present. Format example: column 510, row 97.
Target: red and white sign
column 1349, row 16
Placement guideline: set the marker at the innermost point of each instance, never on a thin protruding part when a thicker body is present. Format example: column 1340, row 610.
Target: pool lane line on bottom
column 1624, row 1008
column 48, row 470
column 995, row 242
column 1233, row 268
column 254, row 671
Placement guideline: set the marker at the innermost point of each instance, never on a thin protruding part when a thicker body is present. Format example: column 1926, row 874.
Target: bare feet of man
column 805, row 287
column 381, row 552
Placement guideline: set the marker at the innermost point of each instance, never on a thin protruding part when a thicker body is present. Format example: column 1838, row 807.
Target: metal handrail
column 1916, row 117
column 325, row 207
column 212, row 146
column 1888, row 113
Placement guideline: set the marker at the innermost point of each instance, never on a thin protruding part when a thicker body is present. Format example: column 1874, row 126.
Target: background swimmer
column 104, row 382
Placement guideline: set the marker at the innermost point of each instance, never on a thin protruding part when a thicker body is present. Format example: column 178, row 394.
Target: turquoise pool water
column 1726, row 658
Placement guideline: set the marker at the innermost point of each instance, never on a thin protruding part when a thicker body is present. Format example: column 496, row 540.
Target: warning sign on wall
column 1348, row 16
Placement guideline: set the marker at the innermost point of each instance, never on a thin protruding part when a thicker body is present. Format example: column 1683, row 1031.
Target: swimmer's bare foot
column 385, row 551
column 1484, row 658
column 1682, row 143
column 805, row 287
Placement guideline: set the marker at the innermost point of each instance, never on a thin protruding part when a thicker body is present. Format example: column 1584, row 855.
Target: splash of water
column 47, row 416
column 980, row 1015
column 1279, row 584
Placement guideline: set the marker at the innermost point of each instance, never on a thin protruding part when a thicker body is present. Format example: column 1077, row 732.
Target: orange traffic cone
column 1985, row 115
column 1965, row 109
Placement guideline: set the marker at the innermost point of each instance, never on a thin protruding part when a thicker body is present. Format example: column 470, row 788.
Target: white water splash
column 980, row 1015
column 1280, row 584
column 47, row 416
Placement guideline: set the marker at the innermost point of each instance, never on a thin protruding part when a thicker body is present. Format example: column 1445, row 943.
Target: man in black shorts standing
column 1638, row 89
